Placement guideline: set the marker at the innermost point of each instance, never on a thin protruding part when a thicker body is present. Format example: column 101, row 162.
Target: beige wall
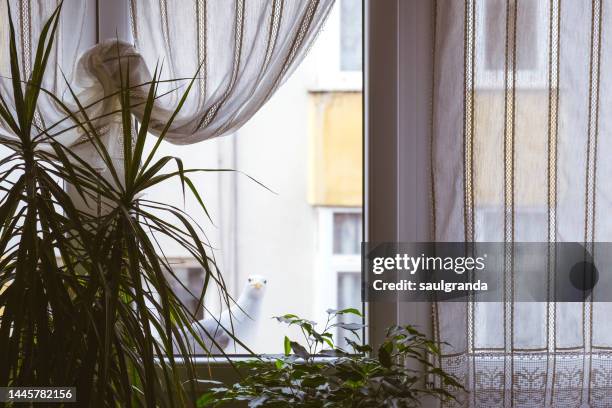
column 335, row 136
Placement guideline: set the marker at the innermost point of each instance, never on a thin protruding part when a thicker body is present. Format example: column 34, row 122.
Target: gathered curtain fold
column 521, row 133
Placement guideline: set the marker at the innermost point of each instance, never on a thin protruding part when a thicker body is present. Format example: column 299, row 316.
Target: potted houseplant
column 317, row 373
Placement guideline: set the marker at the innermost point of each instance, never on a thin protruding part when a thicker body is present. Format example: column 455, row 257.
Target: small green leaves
column 350, row 326
column 344, row 311
column 279, row 363
column 287, row 346
column 333, row 353
column 333, row 378
column 357, row 347
column 384, row 354
column 206, row 400
column 299, row 350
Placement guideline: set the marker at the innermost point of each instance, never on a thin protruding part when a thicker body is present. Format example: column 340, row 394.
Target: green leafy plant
column 84, row 299
column 306, row 376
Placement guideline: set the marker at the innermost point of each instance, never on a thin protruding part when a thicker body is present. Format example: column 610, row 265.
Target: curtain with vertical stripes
column 521, row 132
column 239, row 51
column 29, row 18
column 245, row 49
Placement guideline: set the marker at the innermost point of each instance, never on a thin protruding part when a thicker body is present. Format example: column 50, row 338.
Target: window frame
column 392, row 212
column 398, row 84
column 329, row 266
column 390, row 28
column 398, row 78
column 329, row 76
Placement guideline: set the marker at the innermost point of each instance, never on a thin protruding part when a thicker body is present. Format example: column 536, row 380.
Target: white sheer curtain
column 521, row 136
column 29, row 18
column 245, row 50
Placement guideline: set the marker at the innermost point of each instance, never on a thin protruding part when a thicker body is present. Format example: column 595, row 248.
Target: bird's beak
column 258, row 285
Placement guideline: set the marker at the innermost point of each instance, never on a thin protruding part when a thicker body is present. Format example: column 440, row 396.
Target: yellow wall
column 335, row 132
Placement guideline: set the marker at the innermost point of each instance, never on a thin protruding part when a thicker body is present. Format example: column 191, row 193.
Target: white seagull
column 241, row 318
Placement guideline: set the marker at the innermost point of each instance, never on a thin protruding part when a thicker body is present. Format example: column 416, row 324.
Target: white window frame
column 398, row 79
column 330, row 265
column 329, row 76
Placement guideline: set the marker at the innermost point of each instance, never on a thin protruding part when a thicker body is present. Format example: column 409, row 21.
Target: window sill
column 332, row 89
column 220, row 361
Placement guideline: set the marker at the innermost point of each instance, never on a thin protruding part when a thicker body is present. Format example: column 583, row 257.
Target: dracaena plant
column 351, row 378
column 84, row 298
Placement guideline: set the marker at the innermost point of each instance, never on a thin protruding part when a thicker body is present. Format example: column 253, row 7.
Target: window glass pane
column 350, row 35
column 349, row 295
column 347, row 233
column 307, row 148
